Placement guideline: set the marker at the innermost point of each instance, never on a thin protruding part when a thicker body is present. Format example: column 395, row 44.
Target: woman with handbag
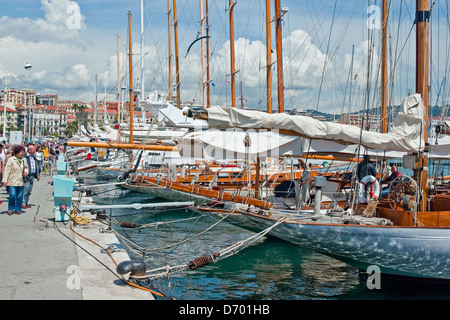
column 16, row 171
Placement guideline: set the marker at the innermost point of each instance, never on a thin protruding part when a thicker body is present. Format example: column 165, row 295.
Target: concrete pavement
column 44, row 260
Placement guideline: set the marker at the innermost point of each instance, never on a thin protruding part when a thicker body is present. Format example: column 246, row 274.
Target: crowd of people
column 21, row 165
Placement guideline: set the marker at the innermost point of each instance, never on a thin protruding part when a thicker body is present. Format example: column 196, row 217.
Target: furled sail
column 406, row 134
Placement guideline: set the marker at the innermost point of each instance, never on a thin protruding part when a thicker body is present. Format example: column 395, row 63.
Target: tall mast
column 96, row 100
column 208, row 87
column 202, row 27
column 269, row 57
column 169, row 40
column 118, row 80
column 422, row 78
column 130, row 64
column 142, row 52
column 177, row 65
column 422, row 54
column 279, row 57
column 384, row 69
column 233, row 72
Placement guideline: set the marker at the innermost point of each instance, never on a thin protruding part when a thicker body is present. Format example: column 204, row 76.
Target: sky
column 69, row 42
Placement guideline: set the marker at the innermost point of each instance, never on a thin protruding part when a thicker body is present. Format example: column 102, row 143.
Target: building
column 48, row 100
column 355, row 119
column 12, row 116
column 24, row 97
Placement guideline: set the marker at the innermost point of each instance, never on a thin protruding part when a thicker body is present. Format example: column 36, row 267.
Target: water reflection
column 270, row 269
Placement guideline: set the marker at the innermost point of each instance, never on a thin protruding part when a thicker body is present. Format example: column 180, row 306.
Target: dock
column 46, row 260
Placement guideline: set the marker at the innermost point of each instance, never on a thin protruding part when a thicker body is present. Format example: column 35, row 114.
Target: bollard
column 319, row 183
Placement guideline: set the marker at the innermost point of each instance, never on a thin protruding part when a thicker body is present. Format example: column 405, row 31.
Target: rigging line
column 391, row 94
column 157, row 224
column 224, row 253
column 85, row 250
column 163, row 73
column 240, row 245
column 109, row 254
column 144, row 250
column 326, row 54
column 342, row 32
column 179, row 72
column 302, row 40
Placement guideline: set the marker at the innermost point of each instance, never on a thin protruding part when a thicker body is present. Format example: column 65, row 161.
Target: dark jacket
column 365, row 168
column 38, row 170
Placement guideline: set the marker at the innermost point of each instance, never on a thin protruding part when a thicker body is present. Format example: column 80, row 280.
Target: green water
column 270, row 269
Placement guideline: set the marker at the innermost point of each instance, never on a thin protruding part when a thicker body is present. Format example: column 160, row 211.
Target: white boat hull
column 403, row 251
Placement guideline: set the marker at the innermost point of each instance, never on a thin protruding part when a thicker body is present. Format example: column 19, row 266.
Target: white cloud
column 62, row 22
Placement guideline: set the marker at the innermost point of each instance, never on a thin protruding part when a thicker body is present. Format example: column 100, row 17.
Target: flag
column 117, row 125
column 228, row 82
column 213, row 84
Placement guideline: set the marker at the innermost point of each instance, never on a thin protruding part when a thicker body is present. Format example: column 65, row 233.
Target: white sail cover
column 441, row 150
column 215, row 144
column 406, row 134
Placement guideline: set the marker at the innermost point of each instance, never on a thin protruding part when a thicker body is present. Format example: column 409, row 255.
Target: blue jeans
column 27, row 191
column 15, row 198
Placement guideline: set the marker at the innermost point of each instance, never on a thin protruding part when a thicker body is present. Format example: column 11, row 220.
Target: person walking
column 33, row 173
column 8, row 155
column 39, row 157
column 13, row 177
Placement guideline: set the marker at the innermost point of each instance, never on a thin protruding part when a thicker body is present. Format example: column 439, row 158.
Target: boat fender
column 202, row 261
column 134, row 267
column 127, row 224
column 374, row 189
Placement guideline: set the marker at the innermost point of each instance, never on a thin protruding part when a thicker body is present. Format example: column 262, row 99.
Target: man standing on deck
column 365, row 168
column 32, row 174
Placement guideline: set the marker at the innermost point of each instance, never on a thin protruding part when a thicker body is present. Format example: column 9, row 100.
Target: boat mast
column 130, row 63
column 422, row 78
column 208, row 87
column 177, row 65
column 95, row 102
column 169, row 41
column 202, row 27
column 279, row 57
column 142, row 52
column 269, row 57
column 118, row 80
column 384, row 68
column 233, row 72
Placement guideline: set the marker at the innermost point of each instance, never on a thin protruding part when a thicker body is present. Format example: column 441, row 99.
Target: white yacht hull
column 422, row 252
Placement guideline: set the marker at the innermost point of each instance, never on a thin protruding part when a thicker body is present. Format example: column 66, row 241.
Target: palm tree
column 80, row 114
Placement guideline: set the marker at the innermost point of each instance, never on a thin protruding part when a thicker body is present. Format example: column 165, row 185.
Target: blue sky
column 66, row 59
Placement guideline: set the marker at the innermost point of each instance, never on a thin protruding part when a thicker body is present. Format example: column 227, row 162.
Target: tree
column 71, row 128
column 80, row 114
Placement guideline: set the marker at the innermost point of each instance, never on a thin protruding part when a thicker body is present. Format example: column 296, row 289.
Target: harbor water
column 269, row 269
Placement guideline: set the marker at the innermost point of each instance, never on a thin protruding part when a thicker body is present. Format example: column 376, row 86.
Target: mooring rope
column 205, row 260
